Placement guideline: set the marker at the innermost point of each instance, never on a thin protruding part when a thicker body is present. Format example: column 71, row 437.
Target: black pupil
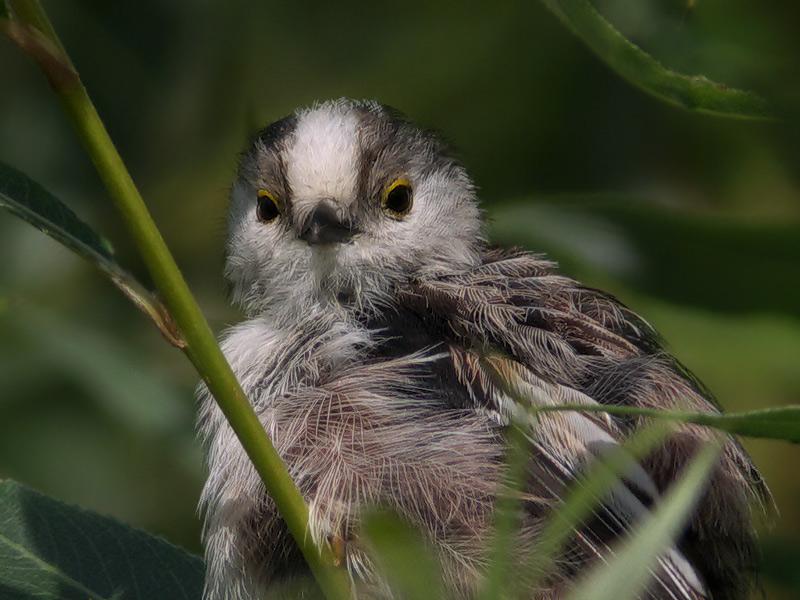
column 267, row 209
column 399, row 199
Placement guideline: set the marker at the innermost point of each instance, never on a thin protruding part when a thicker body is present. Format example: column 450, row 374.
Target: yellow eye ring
column 398, row 198
column 268, row 206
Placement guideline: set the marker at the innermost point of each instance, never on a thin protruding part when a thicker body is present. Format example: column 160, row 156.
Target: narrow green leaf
column 404, row 558
column 628, row 572
column 28, row 200
column 639, row 68
column 49, row 550
column 779, row 423
column 586, row 494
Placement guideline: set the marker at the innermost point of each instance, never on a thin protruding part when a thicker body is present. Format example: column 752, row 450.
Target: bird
column 387, row 348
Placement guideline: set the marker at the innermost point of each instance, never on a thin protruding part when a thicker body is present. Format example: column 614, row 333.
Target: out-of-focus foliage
column 691, row 220
column 403, row 557
column 691, row 92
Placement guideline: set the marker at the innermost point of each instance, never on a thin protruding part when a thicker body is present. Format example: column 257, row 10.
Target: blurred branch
column 696, row 93
column 202, row 349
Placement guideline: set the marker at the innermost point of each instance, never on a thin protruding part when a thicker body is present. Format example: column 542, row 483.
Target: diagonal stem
column 202, row 348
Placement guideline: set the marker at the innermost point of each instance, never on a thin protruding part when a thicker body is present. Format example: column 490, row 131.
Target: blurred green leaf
column 304, row 588
column 49, row 550
column 26, row 199
column 779, row 423
column 120, row 380
column 627, row 573
column 639, row 68
column 405, row 560
column 716, row 262
column 508, row 515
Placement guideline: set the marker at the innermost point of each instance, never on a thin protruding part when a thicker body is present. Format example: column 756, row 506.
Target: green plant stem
column 202, row 348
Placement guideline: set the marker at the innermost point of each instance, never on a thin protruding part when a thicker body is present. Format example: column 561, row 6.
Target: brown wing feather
column 586, row 341
column 561, row 447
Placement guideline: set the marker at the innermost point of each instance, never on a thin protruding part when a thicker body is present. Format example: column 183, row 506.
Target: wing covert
column 516, row 320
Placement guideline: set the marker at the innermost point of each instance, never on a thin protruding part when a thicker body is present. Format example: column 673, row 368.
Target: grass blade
column 779, row 423
column 627, row 573
column 586, row 494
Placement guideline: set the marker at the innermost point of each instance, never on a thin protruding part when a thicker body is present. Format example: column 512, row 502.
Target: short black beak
column 323, row 226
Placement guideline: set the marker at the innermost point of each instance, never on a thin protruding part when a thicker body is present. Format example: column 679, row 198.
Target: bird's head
column 340, row 203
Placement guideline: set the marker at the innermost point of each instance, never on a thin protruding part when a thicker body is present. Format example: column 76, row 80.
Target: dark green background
column 692, row 220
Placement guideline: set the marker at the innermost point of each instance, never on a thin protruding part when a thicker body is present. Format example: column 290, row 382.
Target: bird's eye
column 268, row 207
column 398, row 198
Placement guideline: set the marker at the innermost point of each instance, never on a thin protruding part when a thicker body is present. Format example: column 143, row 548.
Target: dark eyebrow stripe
column 381, row 125
column 273, row 140
column 275, row 133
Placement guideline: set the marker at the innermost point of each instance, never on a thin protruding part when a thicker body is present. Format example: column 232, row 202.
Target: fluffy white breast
column 322, row 160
